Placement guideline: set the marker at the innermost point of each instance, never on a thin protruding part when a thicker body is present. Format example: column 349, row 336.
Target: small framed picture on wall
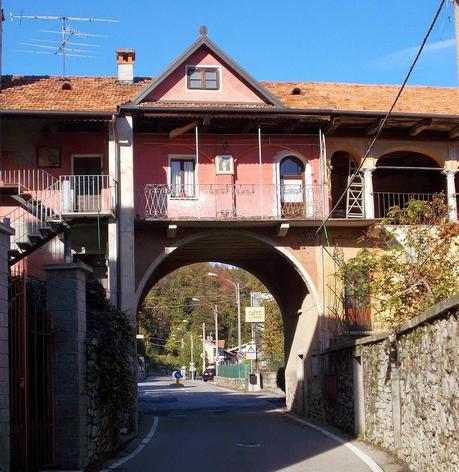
column 48, row 156
column 224, row 164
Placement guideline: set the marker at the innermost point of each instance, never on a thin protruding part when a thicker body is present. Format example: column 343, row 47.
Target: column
column 112, row 242
column 5, row 233
column 368, row 199
column 66, row 302
column 451, row 197
column 126, row 217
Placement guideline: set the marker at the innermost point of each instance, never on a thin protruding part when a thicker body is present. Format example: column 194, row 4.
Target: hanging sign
column 255, row 314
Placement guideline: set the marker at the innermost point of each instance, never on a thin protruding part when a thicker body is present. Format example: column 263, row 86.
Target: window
column 202, row 78
column 182, row 178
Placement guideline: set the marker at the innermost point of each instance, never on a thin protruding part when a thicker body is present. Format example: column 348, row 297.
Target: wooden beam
column 418, row 128
column 282, row 230
column 454, row 133
column 373, row 128
column 332, row 126
column 184, row 129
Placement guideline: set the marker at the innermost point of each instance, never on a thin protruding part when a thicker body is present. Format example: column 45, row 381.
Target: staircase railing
column 37, row 193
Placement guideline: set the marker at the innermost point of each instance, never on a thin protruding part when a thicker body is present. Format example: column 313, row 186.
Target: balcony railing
column 87, row 194
column 383, row 201
column 231, row 201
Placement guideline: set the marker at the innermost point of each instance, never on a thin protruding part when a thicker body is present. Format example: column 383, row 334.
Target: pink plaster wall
column 151, row 161
column 232, row 89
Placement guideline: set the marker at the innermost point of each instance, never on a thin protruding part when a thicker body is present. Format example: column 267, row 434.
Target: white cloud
column 403, row 57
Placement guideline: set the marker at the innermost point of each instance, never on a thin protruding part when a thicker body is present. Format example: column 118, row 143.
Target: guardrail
column 87, row 194
column 230, row 201
column 383, row 201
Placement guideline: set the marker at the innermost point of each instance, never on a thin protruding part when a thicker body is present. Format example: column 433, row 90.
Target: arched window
column 291, row 167
column 292, row 187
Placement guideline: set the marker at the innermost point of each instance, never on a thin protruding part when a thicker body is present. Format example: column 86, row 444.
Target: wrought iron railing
column 383, row 201
column 230, row 201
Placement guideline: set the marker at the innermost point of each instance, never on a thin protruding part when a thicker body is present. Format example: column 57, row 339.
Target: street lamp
column 214, row 309
column 238, row 303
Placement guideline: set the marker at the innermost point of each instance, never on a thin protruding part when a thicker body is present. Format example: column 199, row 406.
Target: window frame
column 182, row 194
column 203, row 70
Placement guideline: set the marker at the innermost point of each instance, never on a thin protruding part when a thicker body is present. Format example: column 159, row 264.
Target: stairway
column 36, row 218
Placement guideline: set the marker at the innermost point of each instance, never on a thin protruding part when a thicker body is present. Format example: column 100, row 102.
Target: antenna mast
column 67, row 33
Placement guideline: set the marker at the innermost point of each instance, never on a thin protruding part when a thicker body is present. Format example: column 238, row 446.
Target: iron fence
column 234, row 371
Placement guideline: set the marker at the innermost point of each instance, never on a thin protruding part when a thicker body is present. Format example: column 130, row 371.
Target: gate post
column 5, row 233
column 66, row 302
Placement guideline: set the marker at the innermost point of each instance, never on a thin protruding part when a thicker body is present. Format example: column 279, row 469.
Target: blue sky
column 363, row 41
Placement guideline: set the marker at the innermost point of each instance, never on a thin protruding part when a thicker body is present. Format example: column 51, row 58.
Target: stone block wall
column 409, row 389
column 234, row 384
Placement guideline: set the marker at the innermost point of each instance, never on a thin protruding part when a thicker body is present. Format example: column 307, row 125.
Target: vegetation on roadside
column 415, row 264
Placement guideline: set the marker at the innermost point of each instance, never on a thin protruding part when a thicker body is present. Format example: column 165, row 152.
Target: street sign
column 255, row 314
column 177, row 374
column 251, row 352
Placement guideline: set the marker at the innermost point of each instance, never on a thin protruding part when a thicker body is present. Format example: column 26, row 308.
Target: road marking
column 142, row 444
column 248, row 445
column 360, row 454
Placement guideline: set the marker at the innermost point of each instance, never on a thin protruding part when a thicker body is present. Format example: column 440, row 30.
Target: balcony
column 86, row 195
column 230, row 202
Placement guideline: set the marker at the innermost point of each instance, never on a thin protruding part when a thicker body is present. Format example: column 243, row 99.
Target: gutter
column 104, row 114
column 285, row 111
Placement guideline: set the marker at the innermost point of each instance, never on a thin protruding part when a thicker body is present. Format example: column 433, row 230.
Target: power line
column 388, row 114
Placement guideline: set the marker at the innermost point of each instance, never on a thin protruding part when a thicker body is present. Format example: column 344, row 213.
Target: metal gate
column 31, row 379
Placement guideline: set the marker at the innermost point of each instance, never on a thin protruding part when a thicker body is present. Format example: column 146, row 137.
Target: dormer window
column 203, row 78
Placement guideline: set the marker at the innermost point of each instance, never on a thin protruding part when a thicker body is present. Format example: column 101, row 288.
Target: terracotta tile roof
column 88, row 94
column 358, row 97
column 104, row 94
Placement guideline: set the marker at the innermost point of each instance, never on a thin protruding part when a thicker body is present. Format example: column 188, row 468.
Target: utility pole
column 456, row 30
column 238, row 299
column 203, row 347
column 216, row 339
column 191, row 362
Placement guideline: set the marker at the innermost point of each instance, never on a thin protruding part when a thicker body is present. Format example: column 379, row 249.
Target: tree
column 414, row 265
column 272, row 342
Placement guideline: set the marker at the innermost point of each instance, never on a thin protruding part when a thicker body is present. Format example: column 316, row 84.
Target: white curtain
column 175, row 178
column 188, row 171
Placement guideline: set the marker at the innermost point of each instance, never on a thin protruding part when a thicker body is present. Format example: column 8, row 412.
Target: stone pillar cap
column 6, row 229
column 70, row 266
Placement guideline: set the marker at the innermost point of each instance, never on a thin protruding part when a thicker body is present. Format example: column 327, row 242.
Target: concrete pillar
column 126, row 216
column 5, row 233
column 113, row 225
column 368, row 192
column 451, row 193
column 66, row 302
column 359, row 395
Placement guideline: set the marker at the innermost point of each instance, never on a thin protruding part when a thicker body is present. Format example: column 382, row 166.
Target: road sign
column 255, row 314
column 177, row 374
column 251, row 352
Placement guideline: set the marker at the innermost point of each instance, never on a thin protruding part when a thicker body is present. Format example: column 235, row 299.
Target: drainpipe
column 260, row 170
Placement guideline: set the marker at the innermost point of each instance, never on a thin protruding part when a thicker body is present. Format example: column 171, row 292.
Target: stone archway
column 277, row 267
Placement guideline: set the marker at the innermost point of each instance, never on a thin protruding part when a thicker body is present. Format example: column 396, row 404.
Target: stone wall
column 269, row 382
column 409, row 389
column 234, row 384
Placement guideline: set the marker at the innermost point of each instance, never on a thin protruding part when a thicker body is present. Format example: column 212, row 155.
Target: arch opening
column 404, row 175
column 284, row 277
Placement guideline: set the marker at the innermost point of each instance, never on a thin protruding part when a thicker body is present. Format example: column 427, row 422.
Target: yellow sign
column 255, row 314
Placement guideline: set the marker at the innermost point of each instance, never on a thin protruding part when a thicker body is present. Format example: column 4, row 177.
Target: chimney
column 125, row 58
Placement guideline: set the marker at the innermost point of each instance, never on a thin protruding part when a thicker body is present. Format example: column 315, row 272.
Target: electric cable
column 388, row 114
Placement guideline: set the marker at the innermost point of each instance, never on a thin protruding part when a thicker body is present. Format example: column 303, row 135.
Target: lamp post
column 203, row 347
column 191, row 361
column 215, row 312
column 238, row 303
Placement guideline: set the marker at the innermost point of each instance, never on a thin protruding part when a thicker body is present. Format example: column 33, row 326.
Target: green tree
column 415, row 264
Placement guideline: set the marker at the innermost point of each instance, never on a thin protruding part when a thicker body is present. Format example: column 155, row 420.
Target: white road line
column 360, row 454
column 142, row 444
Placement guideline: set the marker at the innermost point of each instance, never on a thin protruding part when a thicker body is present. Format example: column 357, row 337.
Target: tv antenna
column 64, row 47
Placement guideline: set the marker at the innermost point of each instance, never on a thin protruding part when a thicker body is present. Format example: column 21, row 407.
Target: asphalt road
column 202, row 427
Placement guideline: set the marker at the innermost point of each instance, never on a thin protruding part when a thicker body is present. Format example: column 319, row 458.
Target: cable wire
column 388, row 114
